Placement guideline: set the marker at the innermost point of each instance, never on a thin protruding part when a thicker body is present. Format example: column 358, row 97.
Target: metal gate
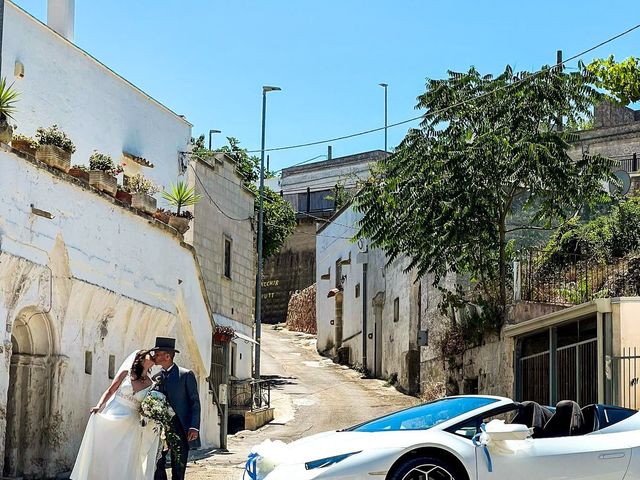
column 577, row 368
column 624, row 372
column 535, row 378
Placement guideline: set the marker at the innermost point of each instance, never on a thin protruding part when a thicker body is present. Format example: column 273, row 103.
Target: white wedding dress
column 115, row 445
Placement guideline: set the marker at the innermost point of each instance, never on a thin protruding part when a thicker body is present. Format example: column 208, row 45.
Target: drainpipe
column 364, row 317
column 1, row 32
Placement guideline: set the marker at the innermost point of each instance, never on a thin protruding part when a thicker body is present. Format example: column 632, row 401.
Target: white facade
column 391, row 336
column 95, row 278
column 98, row 109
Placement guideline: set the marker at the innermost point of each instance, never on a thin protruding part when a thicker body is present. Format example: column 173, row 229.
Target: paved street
column 312, row 395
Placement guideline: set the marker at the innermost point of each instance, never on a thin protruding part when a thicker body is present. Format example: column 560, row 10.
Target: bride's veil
column 125, row 367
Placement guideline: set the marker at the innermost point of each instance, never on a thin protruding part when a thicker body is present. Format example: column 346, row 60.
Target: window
column 88, row 362
column 112, row 366
column 233, row 351
column 396, row 310
column 227, row 258
column 339, row 273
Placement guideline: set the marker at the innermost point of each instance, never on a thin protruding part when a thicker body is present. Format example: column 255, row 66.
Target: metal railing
column 625, row 375
column 250, row 394
column 568, row 279
column 630, row 164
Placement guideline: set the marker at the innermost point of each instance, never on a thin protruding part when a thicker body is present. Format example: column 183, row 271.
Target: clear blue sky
column 207, row 59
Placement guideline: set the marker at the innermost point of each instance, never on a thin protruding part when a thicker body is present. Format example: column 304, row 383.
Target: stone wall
column 80, row 291
column 301, row 314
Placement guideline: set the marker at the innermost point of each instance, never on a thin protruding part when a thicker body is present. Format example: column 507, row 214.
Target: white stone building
column 369, row 313
column 84, row 279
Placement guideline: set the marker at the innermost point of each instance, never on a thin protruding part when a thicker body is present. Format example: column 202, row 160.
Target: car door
column 588, row 457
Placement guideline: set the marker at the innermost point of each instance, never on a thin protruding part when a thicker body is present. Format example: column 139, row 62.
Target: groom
column 181, row 389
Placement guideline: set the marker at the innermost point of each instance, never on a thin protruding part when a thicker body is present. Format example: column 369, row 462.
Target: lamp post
column 265, row 90
column 384, row 85
column 211, row 132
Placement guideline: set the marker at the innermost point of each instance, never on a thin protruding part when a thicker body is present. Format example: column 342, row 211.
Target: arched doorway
column 29, row 399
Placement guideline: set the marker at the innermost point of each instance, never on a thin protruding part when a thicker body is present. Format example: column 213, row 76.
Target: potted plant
column 8, row 100
column 25, row 144
column 123, row 194
column 102, row 173
column 54, row 148
column 81, row 172
column 142, row 190
column 181, row 196
column 223, row 334
column 162, row 215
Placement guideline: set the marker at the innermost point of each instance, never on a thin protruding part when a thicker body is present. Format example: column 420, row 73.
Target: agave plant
column 8, row 100
column 180, row 195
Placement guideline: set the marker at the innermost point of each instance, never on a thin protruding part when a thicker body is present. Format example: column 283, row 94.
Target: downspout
column 1, row 32
column 364, row 318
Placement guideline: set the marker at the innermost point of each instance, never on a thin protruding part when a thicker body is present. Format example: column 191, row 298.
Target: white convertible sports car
column 467, row 438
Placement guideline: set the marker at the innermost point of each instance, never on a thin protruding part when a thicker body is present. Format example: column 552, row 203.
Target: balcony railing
column 568, row 279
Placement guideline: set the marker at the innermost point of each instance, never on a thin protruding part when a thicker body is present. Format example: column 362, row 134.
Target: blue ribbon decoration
column 476, row 442
column 251, row 467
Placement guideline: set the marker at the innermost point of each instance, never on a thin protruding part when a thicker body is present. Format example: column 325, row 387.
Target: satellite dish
column 625, row 183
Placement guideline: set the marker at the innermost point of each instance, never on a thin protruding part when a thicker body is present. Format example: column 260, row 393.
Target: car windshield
column 425, row 416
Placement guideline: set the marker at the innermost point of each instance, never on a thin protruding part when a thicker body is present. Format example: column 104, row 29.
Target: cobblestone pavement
column 312, row 395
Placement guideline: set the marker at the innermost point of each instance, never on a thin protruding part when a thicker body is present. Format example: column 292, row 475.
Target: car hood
column 329, row 444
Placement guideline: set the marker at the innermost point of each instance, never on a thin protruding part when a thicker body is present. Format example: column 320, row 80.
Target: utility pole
column 1, row 32
column 211, row 132
column 560, row 66
column 384, row 85
column 256, row 375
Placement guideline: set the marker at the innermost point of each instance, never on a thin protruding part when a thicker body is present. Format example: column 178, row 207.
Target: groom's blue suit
column 181, row 389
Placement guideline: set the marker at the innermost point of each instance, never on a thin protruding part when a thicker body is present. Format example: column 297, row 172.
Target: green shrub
column 54, row 136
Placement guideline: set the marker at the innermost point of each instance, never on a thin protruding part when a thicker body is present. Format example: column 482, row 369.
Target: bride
column 115, row 445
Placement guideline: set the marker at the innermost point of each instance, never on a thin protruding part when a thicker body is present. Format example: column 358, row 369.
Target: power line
column 410, row 120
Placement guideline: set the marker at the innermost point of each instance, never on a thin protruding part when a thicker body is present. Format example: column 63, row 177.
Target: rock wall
column 301, row 314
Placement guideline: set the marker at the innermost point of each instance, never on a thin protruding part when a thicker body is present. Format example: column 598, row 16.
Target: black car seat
column 533, row 415
column 591, row 420
column 566, row 420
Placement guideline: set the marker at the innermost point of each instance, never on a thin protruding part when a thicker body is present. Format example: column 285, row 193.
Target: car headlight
column 327, row 462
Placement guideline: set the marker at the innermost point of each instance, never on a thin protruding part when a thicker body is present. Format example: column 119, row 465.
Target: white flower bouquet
column 155, row 407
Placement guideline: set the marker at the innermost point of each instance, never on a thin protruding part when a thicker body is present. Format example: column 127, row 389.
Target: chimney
column 329, row 152
column 61, row 16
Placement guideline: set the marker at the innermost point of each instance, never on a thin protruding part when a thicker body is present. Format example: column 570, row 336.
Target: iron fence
column 250, row 394
column 629, row 164
column 570, row 279
column 624, row 371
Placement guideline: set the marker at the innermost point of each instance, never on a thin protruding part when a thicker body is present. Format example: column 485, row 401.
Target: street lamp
column 211, row 132
column 384, row 85
column 265, row 90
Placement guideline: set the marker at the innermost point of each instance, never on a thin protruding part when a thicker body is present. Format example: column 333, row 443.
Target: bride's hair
column 137, row 369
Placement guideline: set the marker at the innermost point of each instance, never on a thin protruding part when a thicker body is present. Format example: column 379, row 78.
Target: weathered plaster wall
column 99, row 110
column 109, row 280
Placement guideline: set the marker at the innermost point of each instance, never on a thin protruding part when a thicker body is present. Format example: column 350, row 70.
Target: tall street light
column 384, row 85
column 265, row 90
column 211, row 132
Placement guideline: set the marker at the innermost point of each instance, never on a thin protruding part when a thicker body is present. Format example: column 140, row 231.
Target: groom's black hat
column 165, row 344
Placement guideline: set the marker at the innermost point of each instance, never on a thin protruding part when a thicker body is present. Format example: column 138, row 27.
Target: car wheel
column 426, row 468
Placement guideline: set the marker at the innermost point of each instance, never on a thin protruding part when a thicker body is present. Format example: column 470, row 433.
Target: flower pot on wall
column 24, row 146
column 144, row 202
column 6, row 133
column 179, row 223
column 124, row 197
column 54, row 156
column 162, row 215
column 103, row 181
column 79, row 173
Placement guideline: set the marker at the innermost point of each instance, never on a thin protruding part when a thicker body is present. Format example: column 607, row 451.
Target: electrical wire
column 463, row 102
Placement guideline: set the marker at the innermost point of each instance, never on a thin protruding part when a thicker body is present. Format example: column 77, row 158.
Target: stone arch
column 31, row 387
column 32, row 333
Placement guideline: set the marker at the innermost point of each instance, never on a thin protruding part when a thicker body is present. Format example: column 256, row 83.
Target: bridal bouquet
column 156, row 407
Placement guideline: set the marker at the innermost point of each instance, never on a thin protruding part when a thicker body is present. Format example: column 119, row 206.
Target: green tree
column 446, row 197
column 620, row 79
column 279, row 217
